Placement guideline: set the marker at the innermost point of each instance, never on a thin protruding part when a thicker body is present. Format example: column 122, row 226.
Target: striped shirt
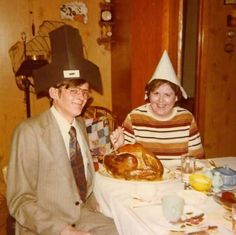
column 169, row 137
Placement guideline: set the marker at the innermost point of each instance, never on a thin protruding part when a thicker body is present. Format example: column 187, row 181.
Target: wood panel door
column 216, row 90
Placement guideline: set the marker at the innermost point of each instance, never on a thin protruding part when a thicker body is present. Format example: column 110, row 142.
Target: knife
column 203, row 229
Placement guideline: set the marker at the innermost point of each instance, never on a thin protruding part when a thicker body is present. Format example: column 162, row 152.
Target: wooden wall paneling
column 14, row 19
column 12, row 107
column 147, row 45
column 121, row 60
column 174, row 30
column 200, row 69
column 153, row 26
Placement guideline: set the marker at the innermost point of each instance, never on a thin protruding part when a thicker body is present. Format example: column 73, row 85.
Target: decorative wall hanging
column 106, row 22
column 29, row 55
column 77, row 11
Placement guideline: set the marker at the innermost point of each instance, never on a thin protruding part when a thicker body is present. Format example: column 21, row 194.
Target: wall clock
column 106, row 22
column 106, row 15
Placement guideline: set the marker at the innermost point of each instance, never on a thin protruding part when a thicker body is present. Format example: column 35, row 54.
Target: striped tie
column 77, row 164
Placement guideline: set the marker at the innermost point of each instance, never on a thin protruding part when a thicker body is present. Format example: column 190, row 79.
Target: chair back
column 100, row 122
column 96, row 112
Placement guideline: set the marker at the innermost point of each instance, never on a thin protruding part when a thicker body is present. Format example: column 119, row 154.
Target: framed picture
column 227, row 2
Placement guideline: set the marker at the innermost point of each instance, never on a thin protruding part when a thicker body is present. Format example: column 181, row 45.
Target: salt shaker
column 217, row 182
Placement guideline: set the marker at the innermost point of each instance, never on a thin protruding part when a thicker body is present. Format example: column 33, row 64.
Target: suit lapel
column 55, row 143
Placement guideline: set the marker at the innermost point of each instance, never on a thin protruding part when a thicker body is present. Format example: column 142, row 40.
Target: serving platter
column 168, row 175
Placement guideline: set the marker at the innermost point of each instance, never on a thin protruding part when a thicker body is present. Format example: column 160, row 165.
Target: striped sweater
column 169, row 137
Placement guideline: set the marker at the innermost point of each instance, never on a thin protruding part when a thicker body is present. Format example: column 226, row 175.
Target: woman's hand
column 117, row 137
column 73, row 231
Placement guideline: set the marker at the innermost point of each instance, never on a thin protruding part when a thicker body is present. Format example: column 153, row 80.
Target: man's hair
column 71, row 83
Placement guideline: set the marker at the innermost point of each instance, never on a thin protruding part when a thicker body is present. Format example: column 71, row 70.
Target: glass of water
column 188, row 166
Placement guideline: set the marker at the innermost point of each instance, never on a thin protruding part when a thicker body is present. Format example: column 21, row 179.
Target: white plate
column 175, row 165
column 189, row 211
column 168, row 175
column 192, row 197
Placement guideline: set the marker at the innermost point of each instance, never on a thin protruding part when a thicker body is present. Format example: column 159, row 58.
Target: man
column 42, row 191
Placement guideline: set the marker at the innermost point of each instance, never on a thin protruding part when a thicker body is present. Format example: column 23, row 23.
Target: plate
column 167, row 176
column 192, row 219
column 228, row 216
column 175, row 165
column 226, row 199
column 192, row 197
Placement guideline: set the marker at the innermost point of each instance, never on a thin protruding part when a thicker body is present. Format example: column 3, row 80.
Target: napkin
column 138, row 202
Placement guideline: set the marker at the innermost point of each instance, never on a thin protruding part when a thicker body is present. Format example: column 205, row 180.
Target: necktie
column 77, row 164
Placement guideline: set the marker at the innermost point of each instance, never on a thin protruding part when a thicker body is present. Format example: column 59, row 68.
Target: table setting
column 191, row 196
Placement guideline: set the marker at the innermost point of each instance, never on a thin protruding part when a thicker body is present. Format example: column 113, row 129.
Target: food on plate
column 226, row 199
column 133, row 162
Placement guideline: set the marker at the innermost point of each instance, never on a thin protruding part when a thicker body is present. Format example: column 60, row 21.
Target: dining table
column 136, row 208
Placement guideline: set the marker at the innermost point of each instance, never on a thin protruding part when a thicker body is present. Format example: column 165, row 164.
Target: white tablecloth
column 115, row 198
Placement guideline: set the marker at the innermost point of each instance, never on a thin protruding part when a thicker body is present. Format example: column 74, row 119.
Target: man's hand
column 72, row 231
column 117, row 137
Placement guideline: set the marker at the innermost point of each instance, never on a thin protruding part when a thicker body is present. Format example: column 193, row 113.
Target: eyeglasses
column 78, row 91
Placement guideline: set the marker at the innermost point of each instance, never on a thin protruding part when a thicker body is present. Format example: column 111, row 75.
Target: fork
column 201, row 230
column 212, row 163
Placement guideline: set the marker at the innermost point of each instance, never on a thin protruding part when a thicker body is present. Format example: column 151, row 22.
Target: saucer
column 192, row 219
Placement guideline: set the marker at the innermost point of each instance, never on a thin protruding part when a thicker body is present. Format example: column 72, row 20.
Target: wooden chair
column 100, row 122
column 99, row 111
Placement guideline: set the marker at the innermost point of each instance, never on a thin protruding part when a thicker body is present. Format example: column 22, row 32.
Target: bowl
column 200, row 182
column 228, row 175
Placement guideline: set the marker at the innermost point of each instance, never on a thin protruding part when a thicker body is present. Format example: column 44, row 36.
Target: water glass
column 188, row 166
column 172, row 207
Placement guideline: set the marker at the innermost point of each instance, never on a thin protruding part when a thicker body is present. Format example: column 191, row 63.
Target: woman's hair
column 154, row 84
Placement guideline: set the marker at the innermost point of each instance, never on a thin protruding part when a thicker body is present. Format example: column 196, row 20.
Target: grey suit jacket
column 41, row 191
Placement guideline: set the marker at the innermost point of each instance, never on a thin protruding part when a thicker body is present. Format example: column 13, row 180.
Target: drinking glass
column 172, row 207
column 188, row 166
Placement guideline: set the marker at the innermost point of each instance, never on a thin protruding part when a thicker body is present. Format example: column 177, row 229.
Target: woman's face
column 162, row 100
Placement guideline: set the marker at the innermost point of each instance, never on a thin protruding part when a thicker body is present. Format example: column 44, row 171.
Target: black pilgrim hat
column 68, row 62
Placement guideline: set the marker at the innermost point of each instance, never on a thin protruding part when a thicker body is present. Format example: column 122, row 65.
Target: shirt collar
column 63, row 123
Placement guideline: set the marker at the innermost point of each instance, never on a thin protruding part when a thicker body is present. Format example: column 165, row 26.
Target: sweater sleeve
column 128, row 130
column 195, row 144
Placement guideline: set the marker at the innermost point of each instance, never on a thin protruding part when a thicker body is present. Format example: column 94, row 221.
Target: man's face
column 70, row 102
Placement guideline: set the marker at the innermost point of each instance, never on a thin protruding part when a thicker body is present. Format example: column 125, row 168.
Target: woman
column 160, row 126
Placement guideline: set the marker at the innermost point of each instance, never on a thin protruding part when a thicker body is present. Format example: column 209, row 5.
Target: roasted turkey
column 133, row 162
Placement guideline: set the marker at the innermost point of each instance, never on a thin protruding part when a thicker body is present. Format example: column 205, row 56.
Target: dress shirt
column 64, row 127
